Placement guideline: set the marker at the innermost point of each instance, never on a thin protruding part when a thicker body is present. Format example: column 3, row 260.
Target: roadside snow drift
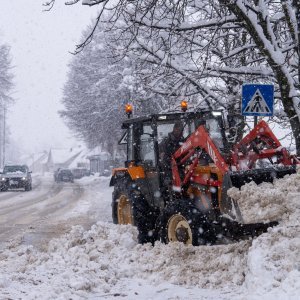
column 107, row 261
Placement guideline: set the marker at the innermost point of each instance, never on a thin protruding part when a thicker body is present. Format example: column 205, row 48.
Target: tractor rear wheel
column 182, row 222
column 129, row 206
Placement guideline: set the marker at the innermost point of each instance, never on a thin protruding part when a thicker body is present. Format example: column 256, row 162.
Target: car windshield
column 65, row 172
column 14, row 169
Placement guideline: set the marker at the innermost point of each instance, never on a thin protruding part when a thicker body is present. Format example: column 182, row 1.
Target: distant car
column 80, row 172
column 15, row 177
column 64, row 175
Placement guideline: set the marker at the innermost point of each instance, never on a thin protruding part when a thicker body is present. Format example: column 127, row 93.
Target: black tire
column 181, row 221
column 4, row 189
column 143, row 216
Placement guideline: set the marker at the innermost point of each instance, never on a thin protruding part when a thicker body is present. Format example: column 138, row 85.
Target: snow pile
column 267, row 202
column 97, row 260
column 273, row 265
column 107, row 262
column 274, row 258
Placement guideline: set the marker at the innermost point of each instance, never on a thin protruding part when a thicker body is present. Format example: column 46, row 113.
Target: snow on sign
column 257, row 99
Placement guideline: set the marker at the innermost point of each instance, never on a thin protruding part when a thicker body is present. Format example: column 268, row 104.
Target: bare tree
column 6, row 85
column 211, row 47
column 97, row 89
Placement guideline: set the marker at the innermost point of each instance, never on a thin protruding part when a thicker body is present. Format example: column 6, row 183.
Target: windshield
column 163, row 129
column 14, row 169
column 212, row 125
column 65, row 172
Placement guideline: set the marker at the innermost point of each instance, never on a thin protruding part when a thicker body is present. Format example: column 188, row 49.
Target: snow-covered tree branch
column 97, row 89
column 212, row 47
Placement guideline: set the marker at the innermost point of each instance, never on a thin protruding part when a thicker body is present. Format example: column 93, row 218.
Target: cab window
column 146, row 145
column 215, row 132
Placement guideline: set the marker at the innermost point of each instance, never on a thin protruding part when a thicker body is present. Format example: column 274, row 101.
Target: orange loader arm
column 259, row 143
column 195, row 144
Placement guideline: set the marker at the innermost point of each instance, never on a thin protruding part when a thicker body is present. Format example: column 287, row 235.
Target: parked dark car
column 15, row 177
column 64, row 175
column 80, row 172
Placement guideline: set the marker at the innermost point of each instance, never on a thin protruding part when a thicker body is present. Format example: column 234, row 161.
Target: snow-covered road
column 47, row 211
column 105, row 261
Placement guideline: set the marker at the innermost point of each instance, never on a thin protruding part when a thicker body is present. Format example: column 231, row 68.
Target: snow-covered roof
column 101, row 155
column 97, row 152
column 81, row 158
column 40, row 157
column 61, row 156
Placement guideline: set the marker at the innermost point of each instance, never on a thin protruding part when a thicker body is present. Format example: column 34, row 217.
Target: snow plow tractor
column 194, row 208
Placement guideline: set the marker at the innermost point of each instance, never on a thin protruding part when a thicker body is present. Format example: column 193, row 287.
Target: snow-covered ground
column 106, row 262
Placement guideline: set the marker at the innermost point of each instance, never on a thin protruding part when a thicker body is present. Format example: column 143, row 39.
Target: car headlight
column 23, row 178
column 3, row 178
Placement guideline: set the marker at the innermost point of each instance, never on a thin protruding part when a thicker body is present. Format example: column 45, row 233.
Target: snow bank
column 274, row 258
column 97, row 260
column 107, row 262
column 273, row 264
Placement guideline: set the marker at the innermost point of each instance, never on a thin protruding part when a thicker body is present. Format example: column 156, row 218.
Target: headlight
column 3, row 178
column 23, row 178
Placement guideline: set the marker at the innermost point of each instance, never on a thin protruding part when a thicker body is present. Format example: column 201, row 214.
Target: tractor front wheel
column 182, row 222
column 129, row 206
column 122, row 212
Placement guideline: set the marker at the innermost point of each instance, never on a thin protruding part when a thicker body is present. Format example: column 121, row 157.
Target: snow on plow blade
column 239, row 178
column 260, row 145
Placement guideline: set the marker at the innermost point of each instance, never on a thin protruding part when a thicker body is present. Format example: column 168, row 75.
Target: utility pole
column 297, row 7
column 4, row 134
column 2, row 131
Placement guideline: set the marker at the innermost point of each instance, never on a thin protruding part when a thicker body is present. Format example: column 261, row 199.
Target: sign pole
column 255, row 121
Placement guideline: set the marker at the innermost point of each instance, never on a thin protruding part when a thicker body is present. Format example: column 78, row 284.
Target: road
column 39, row 215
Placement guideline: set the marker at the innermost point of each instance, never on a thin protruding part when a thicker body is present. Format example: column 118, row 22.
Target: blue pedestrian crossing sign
column 257, row 99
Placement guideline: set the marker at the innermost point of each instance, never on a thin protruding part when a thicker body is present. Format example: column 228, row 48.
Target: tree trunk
column 288, row 106
column 295, row 124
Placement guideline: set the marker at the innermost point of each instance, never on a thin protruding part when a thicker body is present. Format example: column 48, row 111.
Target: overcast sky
column 40, row 44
